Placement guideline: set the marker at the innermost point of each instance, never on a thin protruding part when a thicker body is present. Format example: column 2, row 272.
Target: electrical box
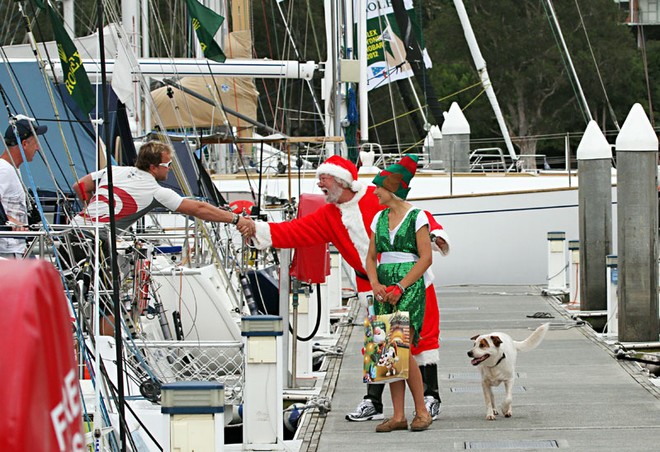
column 262, row 349
column 192, row 433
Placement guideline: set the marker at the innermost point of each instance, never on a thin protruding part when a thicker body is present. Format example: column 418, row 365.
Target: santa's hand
column 442, row 244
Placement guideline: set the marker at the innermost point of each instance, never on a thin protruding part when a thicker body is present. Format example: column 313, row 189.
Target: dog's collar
column 499, row 360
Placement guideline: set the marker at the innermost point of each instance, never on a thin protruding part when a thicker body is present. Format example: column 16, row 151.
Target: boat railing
column 494, row 160
column 221, row 361
column 382, row 158
column 488, row 160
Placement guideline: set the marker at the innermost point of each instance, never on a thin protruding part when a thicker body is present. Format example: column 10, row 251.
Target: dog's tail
column 533, row 340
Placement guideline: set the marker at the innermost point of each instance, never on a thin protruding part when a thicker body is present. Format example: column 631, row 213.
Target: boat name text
column 67, row 413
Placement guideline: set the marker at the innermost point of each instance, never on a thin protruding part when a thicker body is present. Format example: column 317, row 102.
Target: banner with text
column 386, row 54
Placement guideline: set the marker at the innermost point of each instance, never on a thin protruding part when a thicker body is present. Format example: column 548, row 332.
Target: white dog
column 495, row 354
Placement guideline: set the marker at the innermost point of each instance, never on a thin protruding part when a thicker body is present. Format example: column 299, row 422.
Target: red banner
column 40, row 394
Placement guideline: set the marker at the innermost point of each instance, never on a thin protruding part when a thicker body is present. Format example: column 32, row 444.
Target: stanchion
column 556, row 264
column 262, row 391
column 574, row 272
column 612, row 325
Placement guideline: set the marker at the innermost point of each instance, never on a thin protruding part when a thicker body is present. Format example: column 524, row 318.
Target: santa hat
column 396, row 178
column 341, row 168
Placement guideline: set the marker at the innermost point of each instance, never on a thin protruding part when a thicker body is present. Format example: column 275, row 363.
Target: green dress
column 413, row 299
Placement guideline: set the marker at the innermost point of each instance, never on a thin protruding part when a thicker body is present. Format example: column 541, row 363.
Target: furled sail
column 239, row 94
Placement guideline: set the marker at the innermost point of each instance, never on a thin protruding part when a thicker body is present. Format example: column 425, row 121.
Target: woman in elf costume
column 399, row 256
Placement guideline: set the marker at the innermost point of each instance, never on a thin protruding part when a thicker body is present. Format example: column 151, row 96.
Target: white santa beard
column 351, row 217
column 333, row 194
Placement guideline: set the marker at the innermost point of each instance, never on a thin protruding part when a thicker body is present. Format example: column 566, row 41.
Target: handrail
column 494, row 161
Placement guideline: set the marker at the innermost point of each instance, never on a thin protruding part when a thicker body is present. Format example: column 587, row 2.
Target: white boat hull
column 497, row 224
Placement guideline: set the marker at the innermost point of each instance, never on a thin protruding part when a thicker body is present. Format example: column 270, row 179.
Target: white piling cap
column 593, row 145
column 455, row 122
column 434, row 134
column 637, row 134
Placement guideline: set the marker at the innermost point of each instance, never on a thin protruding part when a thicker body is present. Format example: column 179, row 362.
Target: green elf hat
column 396, row 178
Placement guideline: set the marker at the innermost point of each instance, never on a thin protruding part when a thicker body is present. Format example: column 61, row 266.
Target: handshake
column 246, row 226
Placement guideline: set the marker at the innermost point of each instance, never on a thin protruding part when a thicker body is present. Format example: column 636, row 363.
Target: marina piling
column 455, row 143
column 594, row 156
column 637, row 228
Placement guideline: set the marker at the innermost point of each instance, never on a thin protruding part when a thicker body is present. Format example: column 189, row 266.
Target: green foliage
column 525, row 62
column 528, row 68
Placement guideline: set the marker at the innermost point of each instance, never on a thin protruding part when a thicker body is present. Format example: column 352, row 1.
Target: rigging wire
column 24, row 99
column 600, row 77
column 382, row 18
column 640, row 28
column 563, row 52
column 298, row 56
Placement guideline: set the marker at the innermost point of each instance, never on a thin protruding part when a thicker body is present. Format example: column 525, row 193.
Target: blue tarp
column 28, row 94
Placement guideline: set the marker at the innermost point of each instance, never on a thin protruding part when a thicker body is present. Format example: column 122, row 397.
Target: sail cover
column 67, row 146
column 238, row 94
column 42, row 410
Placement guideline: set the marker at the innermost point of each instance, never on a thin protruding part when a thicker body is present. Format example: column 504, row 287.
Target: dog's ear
column 496, row 340
column 474, row 338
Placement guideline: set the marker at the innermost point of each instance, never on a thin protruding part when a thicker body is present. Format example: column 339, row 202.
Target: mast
column 331, row 76
column 363, row 102
column 583, row 99
column 480, row 64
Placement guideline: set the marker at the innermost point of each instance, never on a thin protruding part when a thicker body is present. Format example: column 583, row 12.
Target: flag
column 206, row 22
column 75, row 78
column 122, row 75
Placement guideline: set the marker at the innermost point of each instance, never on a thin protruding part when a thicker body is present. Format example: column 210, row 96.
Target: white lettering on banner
column 67, row 413
column 382, row 6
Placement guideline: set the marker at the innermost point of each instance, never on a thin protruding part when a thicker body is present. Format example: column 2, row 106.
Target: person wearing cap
column 22, row 145
column 398, row 259
column 345, row 221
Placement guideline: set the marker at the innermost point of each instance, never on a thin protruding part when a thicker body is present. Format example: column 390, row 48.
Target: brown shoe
column 390, row 424
column 421, row 422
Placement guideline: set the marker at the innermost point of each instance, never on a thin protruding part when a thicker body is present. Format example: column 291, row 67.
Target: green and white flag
column 206, row 22
column 386, row 55
column 75, row 78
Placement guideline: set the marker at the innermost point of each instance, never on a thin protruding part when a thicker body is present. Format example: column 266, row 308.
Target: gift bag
column 386, row 347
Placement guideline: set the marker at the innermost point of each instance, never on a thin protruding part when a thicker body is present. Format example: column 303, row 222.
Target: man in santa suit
column 345, row 222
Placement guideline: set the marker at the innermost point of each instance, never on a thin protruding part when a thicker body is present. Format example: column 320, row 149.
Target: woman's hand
column 380, row 292
column 393, row 295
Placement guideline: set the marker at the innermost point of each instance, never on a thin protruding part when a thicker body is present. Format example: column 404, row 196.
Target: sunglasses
column 166, row 164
